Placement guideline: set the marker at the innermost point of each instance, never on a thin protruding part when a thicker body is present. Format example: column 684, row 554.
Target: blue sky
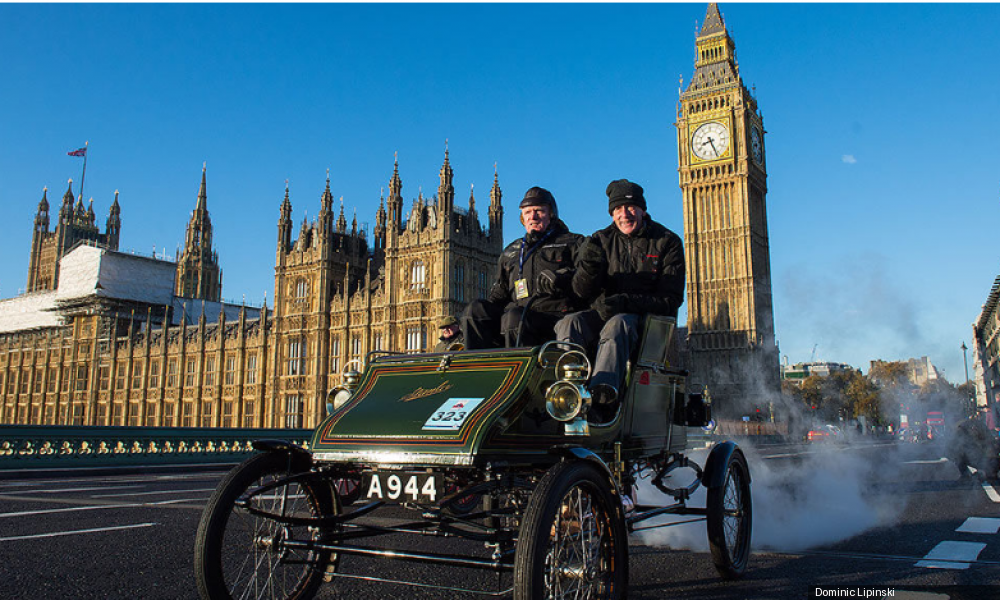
column 882, row 135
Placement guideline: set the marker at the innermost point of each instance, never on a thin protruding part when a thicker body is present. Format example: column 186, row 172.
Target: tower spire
column 198, row 274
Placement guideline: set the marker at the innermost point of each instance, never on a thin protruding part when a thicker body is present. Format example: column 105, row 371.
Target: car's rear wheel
column 572, row 542
column 243, row 555
column 730, row 519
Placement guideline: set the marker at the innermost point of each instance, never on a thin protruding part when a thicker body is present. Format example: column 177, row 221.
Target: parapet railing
column 47, row 447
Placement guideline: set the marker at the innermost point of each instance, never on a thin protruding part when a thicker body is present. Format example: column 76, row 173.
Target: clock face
column 710, row 141
column 756, row 148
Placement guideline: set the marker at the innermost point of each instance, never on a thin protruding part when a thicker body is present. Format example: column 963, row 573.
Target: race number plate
column 452, row 414
column 399, row 486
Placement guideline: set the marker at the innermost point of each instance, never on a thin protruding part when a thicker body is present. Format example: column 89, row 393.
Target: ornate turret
column 285, row 224
column 66, row 210
column 198, row 274
column 42, row 216
column 341, row 220
column 395, row 203
column 380, row 220
column 496, row 209
column 114, row 223
column 446, row 190
column 326, row 210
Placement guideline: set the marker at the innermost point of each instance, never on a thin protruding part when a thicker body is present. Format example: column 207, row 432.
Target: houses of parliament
column 103, row 337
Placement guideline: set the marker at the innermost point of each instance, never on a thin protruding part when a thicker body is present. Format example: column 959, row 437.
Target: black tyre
column 730, row 519
column 239, row 555
column 572, row 542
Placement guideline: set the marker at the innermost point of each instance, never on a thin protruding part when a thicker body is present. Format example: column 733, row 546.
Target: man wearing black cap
column 450, row 337
column 632, row 268
column 533, row 281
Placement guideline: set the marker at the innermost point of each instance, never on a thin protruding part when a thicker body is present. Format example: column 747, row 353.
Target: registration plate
column 400, row 486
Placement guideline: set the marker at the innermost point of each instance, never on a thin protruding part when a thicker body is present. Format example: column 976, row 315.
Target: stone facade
column 723, row 177
column 118, row 339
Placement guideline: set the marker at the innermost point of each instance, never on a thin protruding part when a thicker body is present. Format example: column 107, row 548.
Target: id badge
column 521, row 289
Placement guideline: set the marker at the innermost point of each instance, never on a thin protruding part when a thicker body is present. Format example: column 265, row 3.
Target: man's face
column 536, row 219
column 628, row 218
column 449, row 331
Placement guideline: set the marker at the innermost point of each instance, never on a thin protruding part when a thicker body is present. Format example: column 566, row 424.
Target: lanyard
column 524, row 257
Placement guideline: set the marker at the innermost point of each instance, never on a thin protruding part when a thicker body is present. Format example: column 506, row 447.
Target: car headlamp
column 339, row 395
column 566, row 400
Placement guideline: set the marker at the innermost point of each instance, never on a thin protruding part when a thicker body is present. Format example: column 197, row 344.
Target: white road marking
column 78, row 531
column 980, row 525
column 49, row 511
column 942, row 555
column 151, row 493
column 991, row 492
column 82, row 489
column 926, row 462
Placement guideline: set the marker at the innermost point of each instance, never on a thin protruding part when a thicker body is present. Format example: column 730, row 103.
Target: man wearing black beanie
column 532, row 290
column 630, row 269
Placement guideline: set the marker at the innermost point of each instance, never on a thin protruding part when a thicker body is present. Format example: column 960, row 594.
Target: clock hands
column 709, row 141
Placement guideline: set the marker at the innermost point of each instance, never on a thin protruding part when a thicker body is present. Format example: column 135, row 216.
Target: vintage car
column 489, row 446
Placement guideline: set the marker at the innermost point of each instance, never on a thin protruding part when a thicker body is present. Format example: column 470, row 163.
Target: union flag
column 80, row 152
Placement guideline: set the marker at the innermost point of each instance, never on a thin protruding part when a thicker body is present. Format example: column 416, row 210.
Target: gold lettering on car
column 422, row 393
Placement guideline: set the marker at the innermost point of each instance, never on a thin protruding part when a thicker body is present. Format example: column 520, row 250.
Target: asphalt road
column 861, row 517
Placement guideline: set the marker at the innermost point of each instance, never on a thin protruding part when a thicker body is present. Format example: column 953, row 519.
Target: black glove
column 591, row 256
column 609, row 306
column 546, row 283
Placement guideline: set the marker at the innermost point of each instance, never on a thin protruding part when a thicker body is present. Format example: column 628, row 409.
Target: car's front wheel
column 241, row 553
column 572, row 542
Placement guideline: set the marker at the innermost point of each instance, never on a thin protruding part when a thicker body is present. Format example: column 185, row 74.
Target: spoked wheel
column 730, row 519
column 242, row 556
column 572, row 543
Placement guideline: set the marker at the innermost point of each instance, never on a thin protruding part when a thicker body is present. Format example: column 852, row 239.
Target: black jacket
column 554, row 250
column 642, row 273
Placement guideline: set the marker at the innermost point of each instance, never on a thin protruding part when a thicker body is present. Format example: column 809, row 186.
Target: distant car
column 825, row 433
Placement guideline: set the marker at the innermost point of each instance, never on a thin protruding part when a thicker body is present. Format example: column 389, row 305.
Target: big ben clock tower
column 723, row 176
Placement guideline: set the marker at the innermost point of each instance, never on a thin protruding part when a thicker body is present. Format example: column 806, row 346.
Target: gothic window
column 206, row 414
column 482, row 284
column 227, row 414
column 209, row 370
column 377, row 341
column 335, row 354
column 458, row 283
column 295, row 356
column 38, row 381
column 355, row 346
column 293, row 412
column 231, row 370
column 172, row 373
column 154, row 374
column 248, row 414
column 81, row 378
column 301, row 288
column 251, row 377
column 120, row 376
column 418, row 275
column 187, row 419
column 137, row 374
column 416, row 339
column 189, row 373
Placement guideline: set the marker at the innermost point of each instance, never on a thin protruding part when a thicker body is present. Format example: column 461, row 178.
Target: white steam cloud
column 825, row 497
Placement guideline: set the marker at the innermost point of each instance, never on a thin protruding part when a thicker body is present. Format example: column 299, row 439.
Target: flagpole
column 84, row 174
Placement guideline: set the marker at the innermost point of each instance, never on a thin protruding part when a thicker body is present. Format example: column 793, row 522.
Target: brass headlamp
column 339, row 395
column 568, row 399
